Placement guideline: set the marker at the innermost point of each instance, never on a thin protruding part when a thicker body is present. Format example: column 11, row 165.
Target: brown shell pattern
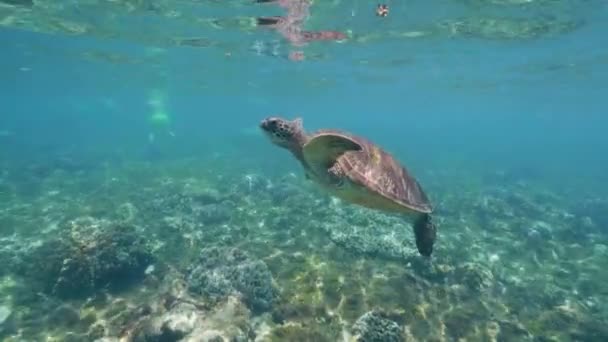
column 379, row 172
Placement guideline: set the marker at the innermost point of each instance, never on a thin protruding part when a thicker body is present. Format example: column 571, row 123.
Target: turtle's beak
column 264, row 127
column 268, row 125
column 264, row 124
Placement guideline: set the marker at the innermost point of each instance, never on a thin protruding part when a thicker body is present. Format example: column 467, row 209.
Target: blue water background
column 437, row 103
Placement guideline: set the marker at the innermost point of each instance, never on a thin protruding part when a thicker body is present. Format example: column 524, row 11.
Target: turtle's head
column 284, row 133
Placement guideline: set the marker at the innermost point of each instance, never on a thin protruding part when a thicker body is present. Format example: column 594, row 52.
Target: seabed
column 184, row 251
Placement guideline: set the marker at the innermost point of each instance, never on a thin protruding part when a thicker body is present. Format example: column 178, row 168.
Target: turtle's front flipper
column 323, row 151
column 426, row 233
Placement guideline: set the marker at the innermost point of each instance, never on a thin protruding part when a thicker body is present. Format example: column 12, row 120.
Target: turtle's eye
column 269, row 124
column 280, row 129
column 272, row 125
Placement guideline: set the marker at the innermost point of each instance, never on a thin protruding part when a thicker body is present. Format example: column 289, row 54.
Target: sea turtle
column 358, row 171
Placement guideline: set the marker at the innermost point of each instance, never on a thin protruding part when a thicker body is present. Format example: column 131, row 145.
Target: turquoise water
column 137, row 190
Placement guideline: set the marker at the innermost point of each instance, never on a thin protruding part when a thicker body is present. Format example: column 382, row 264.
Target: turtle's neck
column 296, row 147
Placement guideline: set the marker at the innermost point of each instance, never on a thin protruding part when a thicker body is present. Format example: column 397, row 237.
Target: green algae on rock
column 220, row 272
column 375, row 326
column 89, row 255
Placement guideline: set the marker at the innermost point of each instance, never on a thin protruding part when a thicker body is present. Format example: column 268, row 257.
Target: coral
column 5, row 313
column 64, row 315
column 250, row 184
column 186, row 321
column 382, row 289
column 300, row 333
column 207, row 205
column 474, row 276
column 372, row 233
column 213, row 213
column 592, row 212
column 568, row 321
column 126, row 212
column 478, row 286
column 373, row 326
column 219, row 272
column 513, row 331
column 91, row 254
column 459, row 322
column 285, row 191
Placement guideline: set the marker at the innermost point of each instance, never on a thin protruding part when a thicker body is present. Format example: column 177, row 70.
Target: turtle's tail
column 426, row 233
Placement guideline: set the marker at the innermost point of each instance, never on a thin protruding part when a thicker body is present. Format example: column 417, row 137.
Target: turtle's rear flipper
column 265, row 1
column 425, row 232
column 268, row 21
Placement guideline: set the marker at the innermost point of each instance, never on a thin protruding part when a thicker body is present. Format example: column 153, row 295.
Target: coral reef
column 186, row 322
column 367, row 232
column 239, row 256
column 374, row 327
column 88, row 255
column 219, row 272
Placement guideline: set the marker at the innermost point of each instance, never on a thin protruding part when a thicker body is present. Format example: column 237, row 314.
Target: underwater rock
column 372, row 234
column 172, row 326
column 475, row 277
column 6, row 254
column 5, row 313
column 373, row 326
column 219, row 272
column 96, row 331
column 126, row 212
column 203, row 196
column 489, row 207
column 62, row 163
column 64, row 316
column 506, row 204
column 208, row 206
column 185, row 321
column 463, row 320
column 322, row 282
column 170, row 203
column 251, row 183
column 568, row 322
column 213, row 213
column 90, row 254
column 538, row 233
column 359, row 242
column 122, row 315
column 73, row 337
column 7, row 325
column 513, row 331
column 594, row 210
column 297, row 332
column 285, row 191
